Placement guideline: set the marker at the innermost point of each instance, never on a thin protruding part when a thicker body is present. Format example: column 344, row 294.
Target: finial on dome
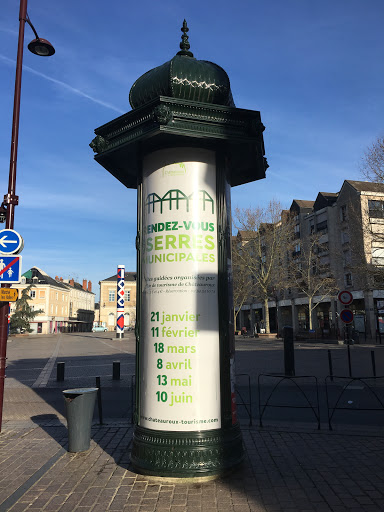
column 184, row 45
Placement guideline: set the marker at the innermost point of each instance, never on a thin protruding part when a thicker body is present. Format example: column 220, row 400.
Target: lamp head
column 41, row 47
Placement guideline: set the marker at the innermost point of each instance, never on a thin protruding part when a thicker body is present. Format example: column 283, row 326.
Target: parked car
column 99, row 328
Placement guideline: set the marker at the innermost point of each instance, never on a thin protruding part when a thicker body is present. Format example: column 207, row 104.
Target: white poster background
column 180, row 371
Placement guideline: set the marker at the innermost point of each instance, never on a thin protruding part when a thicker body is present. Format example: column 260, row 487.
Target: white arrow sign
column 10, row 242
column 4, row 242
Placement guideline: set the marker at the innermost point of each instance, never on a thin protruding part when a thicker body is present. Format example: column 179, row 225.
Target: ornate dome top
column 185, row 78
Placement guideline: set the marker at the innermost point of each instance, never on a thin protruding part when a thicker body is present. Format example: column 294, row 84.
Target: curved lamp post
column 43, row 48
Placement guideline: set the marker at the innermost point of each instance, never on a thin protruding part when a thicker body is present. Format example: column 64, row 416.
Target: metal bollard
column 116, row 370
column 60, row 370
column 330, row 364
column 99, row 401
column 289, row 352
column 349, row 360
column 373, row 363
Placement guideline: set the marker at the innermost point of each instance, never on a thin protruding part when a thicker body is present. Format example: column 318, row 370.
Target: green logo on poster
column 176, row 199
column 181, row 171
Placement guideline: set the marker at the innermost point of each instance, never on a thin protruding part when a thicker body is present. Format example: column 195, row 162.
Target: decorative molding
column 99, row 144
column 169, row 122
column 162, row 114
column 166, row 453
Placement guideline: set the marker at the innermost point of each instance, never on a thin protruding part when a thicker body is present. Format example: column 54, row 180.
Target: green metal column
column 183, row 146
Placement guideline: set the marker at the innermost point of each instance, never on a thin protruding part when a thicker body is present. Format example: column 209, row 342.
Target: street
column 32, row 389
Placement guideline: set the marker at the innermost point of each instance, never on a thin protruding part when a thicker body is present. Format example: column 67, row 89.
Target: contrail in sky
column 64, row 85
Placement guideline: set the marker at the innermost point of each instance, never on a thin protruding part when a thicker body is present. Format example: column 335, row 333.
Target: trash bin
column 79, row 404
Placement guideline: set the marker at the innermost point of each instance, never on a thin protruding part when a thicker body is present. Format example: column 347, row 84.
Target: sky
column 313, row 69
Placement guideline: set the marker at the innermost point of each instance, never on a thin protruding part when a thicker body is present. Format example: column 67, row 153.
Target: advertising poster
column 179, row 354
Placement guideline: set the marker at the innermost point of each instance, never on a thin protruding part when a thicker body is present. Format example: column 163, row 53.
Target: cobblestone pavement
column 284, row 471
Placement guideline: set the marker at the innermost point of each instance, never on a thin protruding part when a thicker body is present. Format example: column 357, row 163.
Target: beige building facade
column 350, row 224
column 65, row 305
column 106, row 315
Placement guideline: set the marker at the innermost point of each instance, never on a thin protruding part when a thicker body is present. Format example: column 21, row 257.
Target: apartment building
column 65, row 305
column 106, row 315
column 349, row 225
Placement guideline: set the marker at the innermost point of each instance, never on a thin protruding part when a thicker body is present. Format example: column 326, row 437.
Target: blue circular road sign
column 346, row 316
column 10, row 242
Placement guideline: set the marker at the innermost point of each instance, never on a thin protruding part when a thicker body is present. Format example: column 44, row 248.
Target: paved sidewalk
column 290, row 468
column 284, row 471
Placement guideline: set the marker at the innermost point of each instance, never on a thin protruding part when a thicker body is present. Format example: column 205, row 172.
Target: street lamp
column 43, row 48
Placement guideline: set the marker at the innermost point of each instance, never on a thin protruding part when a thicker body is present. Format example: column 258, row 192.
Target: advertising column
column 179, row 355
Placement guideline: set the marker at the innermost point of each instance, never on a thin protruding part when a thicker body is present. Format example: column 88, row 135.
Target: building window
column 378, row 256
column 376, row 209
column 344, row 237
column 111, row 295
column 111, row 319
column 32, row 294
column 322, row 227
column 343, row 212
column 348, row 279
column 57, row 295
column 297, row 250
column 127, row 295
column 42, row 294
column 347, row 258
column 302, row 320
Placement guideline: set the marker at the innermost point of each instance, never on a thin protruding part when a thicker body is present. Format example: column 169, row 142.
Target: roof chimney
column 85, row 284
column 89, row 286
column 61, row 279
column 56, row 278
column 72, row 282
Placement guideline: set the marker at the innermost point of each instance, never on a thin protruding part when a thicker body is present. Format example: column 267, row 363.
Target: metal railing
column 315, row 408
column 338, row 406
column 246, row 405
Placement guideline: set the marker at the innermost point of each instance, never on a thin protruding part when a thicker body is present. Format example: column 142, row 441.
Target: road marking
column 116, row 347
column 43, row 378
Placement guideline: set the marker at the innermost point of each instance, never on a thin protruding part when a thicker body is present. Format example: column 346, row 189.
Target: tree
column 371, row 263
column 263, row 234
column 309, row 272
column 21, row 318
column 372, row 164
column 243, row 286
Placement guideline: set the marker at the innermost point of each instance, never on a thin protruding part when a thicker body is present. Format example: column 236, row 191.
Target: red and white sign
column 345, row 297
column 346, row 316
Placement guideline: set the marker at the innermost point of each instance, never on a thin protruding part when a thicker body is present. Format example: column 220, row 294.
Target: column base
column 119, row 335
column 186, row 454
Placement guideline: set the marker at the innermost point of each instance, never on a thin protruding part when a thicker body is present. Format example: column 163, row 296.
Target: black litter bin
column 80, row 404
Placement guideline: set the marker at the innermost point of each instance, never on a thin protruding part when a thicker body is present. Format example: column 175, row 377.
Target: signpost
column 8, row 294
column 346, row 316
column 10, row 242
column 345, row 297
column 10, row 269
